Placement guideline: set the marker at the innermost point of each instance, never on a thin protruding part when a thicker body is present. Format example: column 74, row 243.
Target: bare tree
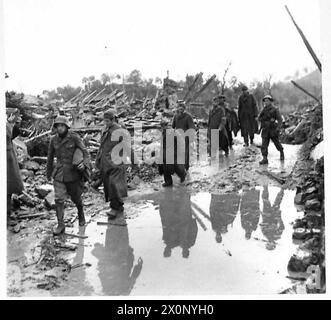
column 267, row 84
column 223, row 82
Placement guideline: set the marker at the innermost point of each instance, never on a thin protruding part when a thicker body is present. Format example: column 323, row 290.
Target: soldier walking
column 113, row 174
column 232, row 123
column 67, row 176
column 183, row 120
column 169, row 151
column 247, row 114
column 271, row 121
column 217, row 120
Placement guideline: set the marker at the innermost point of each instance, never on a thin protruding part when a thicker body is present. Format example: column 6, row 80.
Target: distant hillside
column 312, row 82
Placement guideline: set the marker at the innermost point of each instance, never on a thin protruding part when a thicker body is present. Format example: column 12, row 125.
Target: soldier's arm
column 80, row 144
column 190, row 122
column 50, row 159
column 173, row 125
column 260, row 118
column 263, row 119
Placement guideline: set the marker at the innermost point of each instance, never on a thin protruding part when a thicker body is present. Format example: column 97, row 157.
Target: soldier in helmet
column 271, row 122
column 67, row 177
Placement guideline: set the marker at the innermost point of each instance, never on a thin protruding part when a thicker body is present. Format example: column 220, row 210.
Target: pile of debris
column 38, row 196
column 299, row 126
column 309, row 231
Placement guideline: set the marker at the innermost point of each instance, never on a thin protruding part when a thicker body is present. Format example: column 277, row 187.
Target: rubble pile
column 299, row 126
column 145, row 173
column 309, row 230
column 38, row 196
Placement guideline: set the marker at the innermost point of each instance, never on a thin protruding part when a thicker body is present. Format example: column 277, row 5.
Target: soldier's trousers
column 251, row 137
column 265, row 144
column 229, row 132
column 74, row 189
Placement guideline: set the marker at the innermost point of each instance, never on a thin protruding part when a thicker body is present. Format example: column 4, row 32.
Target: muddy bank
column 308, row 262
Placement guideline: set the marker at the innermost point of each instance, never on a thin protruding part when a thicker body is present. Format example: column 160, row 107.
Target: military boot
column 59, row 206
column 264, row 160
column 282, row 157
column 81, row 216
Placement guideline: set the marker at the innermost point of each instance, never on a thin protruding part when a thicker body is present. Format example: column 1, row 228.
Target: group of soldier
column 224, row 119
column 73, row 165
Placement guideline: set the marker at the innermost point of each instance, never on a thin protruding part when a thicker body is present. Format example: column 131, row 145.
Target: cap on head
column 269, row 97
column 244, row 88
column 62, row 120
column 109, row 114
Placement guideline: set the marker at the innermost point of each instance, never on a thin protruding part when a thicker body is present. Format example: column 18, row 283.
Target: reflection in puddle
column 179, row 227
column 272, row 225
column 183, row 244
column 116, row 268
column 223, row 210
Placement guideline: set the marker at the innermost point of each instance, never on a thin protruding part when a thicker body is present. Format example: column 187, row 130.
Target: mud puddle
column 175, row 243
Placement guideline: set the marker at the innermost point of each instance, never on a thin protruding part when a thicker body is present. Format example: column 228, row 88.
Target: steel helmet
column 62, row 119
column 268, row 96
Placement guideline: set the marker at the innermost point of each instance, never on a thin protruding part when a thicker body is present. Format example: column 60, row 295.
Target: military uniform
column 184, row 122
column 270, row 129
column 14, row 179
column 67, row 178
column 169, row 150
column 217, row 120
column 247, row 112
column 232, row 124
column 113, row 174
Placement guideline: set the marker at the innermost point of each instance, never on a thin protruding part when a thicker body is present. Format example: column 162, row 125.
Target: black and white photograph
column 164, row 148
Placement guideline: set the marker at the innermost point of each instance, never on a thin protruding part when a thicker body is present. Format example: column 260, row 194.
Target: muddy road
column 227, row 230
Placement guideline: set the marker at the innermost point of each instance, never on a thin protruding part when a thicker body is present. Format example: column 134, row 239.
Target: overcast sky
column 50, row 43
